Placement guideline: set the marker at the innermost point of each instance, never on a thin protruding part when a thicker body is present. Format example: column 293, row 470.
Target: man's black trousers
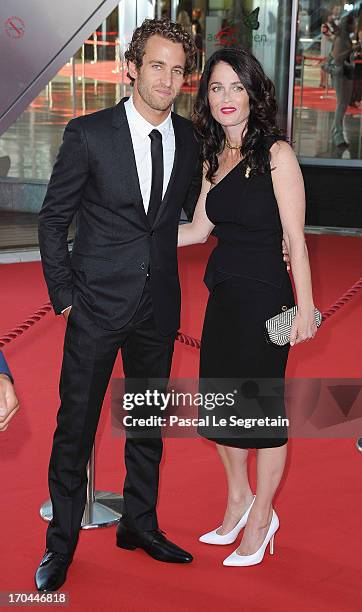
column 88, row 360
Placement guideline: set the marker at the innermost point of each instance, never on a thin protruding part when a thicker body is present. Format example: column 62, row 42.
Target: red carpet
column 317, row 561
column 312, row 99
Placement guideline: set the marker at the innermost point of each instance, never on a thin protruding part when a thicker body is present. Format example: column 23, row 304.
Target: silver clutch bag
column 278, row 328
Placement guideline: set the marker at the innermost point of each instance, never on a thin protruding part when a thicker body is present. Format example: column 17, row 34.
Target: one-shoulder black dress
column 248, row 283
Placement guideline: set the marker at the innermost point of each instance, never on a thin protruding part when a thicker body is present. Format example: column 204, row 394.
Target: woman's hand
column 200, row 228
column 303, row 327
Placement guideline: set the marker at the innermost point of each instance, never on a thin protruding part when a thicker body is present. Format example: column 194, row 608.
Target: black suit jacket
column 95, row 176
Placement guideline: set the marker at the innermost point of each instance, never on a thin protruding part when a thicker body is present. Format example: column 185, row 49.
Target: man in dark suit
column 9, row 404
column 126, row 171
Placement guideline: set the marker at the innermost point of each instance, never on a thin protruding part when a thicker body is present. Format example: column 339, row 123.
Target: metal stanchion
column 83, row 79
column 301, row 82
column 102, row 508
column 95, row 48
column 117, row 57
column 73, row 86
column 326, row 89
column 50, row 94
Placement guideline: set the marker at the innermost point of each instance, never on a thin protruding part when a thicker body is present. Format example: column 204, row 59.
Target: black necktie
column 157, row 175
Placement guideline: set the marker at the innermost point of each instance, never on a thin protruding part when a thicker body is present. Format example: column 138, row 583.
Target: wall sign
column 14, row 27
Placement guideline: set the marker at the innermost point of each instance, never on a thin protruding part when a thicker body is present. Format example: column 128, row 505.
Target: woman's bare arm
column 289, row 192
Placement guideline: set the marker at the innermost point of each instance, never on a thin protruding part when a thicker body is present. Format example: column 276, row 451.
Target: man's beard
column 154, row 101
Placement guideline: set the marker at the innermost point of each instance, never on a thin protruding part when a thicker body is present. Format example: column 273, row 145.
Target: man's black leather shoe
column 52, row 571
column 153, row 543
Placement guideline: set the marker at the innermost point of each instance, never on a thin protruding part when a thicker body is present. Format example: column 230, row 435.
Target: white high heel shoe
column 214, row 538
column 244, row 560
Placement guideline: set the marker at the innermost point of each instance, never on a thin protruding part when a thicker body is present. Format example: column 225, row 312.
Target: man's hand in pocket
column 66, row 312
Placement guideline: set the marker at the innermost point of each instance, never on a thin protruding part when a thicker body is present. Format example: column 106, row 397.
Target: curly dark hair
column 165, row 28
column 262, row 118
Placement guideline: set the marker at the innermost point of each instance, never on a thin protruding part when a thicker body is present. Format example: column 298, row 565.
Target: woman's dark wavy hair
column 262, row 117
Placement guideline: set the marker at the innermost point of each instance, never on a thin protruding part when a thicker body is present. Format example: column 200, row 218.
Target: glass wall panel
column 88, row 82
column 293, row 41
column 263, row 26
column 96, row 76
column 327, row 107
column 327, row 111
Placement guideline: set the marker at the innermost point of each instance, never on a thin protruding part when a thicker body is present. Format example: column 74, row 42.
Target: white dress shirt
column 140, row 129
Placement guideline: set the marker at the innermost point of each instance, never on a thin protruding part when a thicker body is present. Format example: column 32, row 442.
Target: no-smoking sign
column 14, row 27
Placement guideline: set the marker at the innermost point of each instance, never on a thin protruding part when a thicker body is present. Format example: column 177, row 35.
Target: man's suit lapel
column 124, row 153
column 179, row 146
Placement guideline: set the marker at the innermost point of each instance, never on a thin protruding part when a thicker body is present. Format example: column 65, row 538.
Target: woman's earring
column 247, row 172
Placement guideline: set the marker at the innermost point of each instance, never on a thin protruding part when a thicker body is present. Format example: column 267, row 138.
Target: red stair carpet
column 317, row 560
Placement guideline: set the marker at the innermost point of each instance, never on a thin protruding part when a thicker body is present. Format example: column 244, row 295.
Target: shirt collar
column 142, row 126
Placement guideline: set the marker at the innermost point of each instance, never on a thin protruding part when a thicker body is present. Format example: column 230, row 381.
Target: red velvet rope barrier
column 18, row 331
column 100, row 43
column 188, row 340
column 346, row 297
column 321, row 58
column 100, row 33
column 181, row 337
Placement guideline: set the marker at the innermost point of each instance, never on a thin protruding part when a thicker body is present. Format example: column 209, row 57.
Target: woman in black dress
column 252, row 196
